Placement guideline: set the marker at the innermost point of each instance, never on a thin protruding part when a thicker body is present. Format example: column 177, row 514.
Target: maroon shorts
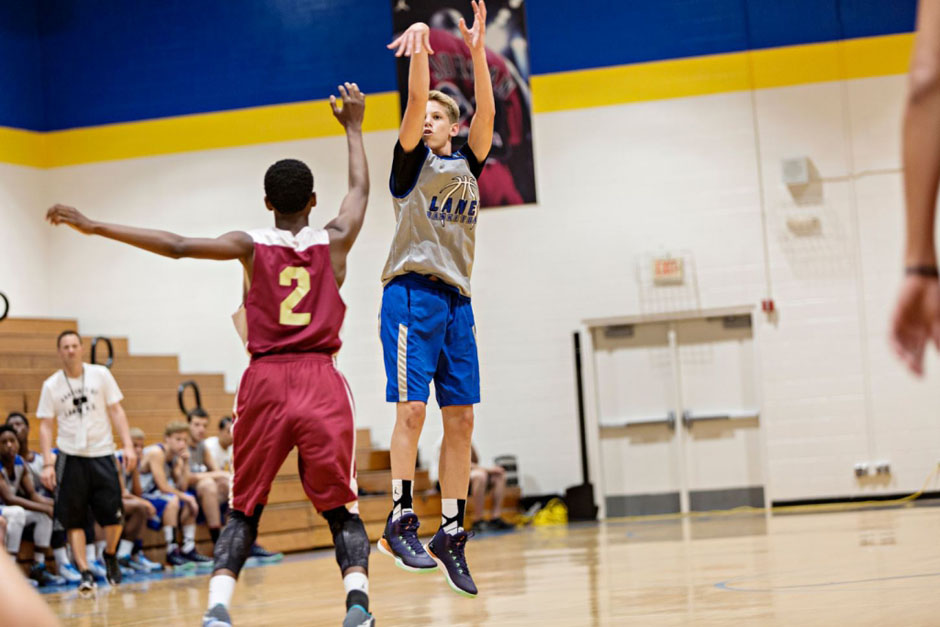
column 293, row 400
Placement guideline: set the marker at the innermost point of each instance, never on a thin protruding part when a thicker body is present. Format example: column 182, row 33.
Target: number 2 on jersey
column 287, row 278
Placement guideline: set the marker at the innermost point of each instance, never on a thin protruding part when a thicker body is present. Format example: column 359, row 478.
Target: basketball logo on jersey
column 457, row 202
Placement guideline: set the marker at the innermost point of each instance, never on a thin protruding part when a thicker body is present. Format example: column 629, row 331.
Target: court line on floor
column 730, row 583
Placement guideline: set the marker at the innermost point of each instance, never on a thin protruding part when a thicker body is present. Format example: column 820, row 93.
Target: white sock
column 221, row 588
column 101, row 546
column 124, row 548
column 39, row 557
column 356, row 581
column 397, row 492
column 189, row 538
column 169, row 535
column 90, row 553
column 449, row 510
column 61, row 558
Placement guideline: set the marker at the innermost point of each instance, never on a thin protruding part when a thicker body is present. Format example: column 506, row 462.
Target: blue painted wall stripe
column 21, row 104
column 106, row 61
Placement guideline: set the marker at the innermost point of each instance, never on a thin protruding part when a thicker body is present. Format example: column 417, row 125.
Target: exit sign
column 667, row 271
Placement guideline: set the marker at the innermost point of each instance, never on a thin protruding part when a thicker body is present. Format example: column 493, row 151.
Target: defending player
column 291, row 394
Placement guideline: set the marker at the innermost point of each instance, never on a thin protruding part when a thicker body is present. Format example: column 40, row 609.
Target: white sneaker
column 70, row 573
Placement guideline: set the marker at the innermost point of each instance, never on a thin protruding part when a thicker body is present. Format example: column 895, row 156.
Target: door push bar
column 688, row 417
column 668, row 420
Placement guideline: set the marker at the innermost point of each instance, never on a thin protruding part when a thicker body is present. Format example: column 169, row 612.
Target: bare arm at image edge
column 916, row 319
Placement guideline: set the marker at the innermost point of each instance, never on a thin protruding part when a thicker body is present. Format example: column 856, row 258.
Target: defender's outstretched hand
column 916, row 321
column 63, row 214
column 354, row 105
column 475, row 37
column 413, row 41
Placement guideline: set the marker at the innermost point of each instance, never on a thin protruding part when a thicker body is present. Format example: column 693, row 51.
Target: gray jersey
column 35, row 469
column 19, row 468
column 197, row 458
column 436, row 217
column 147, row 484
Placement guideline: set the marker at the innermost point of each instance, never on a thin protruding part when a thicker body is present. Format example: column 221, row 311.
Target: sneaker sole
column 183, row 568
column 440, row 565
column 382, row 546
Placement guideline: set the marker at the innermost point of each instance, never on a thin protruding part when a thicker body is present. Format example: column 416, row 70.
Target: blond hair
column 175, row 427
column 137, row 433
column 450, row 105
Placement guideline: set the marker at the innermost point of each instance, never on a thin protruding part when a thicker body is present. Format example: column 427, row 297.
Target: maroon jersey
column 293, row 304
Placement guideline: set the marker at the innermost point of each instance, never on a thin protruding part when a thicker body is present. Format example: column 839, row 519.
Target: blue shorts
column 159, row 500
column 428, row 333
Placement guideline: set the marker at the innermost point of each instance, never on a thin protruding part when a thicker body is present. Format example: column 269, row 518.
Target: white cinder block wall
column 24, row 275
column 615, row 184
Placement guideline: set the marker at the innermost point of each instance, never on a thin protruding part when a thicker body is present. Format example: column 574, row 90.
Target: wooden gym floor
column 872, row 567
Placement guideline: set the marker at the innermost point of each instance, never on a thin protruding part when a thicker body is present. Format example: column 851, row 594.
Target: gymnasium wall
column 24, row 275
column 663, row 131
column 25, row 267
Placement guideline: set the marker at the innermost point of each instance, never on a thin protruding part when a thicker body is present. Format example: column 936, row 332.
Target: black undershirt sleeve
column 476, row 166
column 406, row 166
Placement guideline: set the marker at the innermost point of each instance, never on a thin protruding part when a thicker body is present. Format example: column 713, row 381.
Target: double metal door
column 677, row 410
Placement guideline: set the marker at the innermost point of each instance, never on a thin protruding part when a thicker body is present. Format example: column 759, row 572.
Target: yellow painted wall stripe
column 699, row 76
column 21, row 147
column 696, row 76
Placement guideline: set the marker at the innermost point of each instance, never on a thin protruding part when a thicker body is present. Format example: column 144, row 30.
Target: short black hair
column 196, row 411
column 58, row 340
column 17, row 414
column 4, row 428
column 226, row 421
column 288, row 185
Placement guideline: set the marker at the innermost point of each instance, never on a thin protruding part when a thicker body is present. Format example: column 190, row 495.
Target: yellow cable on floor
column 782, row 509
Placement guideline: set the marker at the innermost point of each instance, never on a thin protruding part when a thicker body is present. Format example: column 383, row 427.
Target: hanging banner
column 509, row 175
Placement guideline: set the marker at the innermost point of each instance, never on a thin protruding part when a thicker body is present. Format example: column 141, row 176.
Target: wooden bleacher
column 149, row 383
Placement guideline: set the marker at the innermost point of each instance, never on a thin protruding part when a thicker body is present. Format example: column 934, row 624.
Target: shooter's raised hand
column 416, row 39
column 475, row 37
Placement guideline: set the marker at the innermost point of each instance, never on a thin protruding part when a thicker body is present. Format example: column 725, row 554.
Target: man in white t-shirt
column 220, row 446
column 85, row 400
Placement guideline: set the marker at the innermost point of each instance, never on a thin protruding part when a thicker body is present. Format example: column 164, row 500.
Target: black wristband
column 924, row 271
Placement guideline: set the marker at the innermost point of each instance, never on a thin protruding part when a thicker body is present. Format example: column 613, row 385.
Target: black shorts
column 87, row 482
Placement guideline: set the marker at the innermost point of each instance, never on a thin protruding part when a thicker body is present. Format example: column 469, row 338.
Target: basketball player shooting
column 291, row 394
column 427, row 326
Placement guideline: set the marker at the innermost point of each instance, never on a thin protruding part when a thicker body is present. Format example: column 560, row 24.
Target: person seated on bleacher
column 137, row 511
column 210, row 477
column 34, row 463
column 207, row 481
column 21, row 512
column 164, row 467
column 220, row 446
column 483, row 479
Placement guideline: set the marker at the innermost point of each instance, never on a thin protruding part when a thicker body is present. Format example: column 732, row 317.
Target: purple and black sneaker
column 401, row 542
column 448, row 551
